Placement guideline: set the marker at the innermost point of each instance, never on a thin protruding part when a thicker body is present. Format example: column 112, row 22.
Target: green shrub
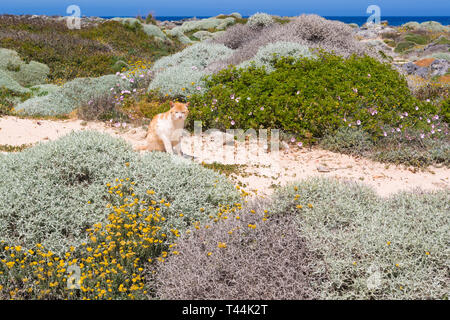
column 372, row 248
column 417, row 38
column 403, row 46
column 348, row 140
column 53, row 192
column 308, row 97
column 9, row 98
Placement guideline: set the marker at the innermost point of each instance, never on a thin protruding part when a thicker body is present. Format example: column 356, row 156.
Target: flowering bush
column 310, row 97
column 392, row 248
column 52, row 192
column 111, row 262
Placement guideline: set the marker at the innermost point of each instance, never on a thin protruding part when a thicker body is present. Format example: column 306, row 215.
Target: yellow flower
column 388, row 243
column 222, row 245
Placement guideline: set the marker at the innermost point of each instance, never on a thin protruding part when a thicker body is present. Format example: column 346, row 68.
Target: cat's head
column 178, row 110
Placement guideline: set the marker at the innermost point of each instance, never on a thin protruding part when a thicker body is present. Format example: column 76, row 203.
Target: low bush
column 9, row 83
column 111, row 262
column 372, row 248
column 417, row 38
column 53, row 192
column 404, row 46
column 309, row 97
column 273, row 51
column 348, row 140
column 260, row 20
column 180, row 75
column 243, row 255
column 91, row 51
column 72, row 95
column 8, row 99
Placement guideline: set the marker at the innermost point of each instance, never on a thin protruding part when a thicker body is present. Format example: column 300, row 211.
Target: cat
column 165, row 130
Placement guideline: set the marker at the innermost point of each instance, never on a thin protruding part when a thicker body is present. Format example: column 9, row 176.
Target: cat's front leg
column 177, row 148
column 167, row 144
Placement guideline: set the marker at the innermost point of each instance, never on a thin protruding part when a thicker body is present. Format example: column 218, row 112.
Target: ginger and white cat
column 165, row 130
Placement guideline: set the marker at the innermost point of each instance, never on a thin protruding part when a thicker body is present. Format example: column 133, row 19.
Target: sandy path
column 261, row 171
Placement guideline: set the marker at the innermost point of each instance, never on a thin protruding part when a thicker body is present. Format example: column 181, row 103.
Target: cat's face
column 179, row 111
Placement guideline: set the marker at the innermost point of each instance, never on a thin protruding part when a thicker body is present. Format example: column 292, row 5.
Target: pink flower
column 232, row 122
column 117, row 124
column 368, row 75
column 422, row 136
column 124, row 124
column 398, row 129
column 358, row 122
column 298, row 92
column 385, row 134
column 292, row 140
column 262, row 108
column 300, row 144
column 199, row 88
column 355, row 90
column 232, row 97
column 417, row 108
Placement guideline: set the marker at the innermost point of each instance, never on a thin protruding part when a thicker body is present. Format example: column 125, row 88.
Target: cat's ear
column 171, row 104
column 187, row 104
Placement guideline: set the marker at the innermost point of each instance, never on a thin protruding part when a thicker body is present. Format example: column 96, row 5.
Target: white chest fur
column 168, row 128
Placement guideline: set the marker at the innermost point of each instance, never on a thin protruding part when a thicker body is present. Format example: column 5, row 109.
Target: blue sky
column 211, row 7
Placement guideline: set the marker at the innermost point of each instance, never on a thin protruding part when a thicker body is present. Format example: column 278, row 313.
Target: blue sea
column 393, row 21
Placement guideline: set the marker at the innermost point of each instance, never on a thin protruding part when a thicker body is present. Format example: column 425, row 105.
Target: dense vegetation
column 92, row 51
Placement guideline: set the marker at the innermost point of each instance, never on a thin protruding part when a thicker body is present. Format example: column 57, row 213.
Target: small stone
column 323, row 169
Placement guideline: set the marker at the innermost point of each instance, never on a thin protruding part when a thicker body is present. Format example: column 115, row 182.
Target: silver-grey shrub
column 8, row 82
column 26, row 74
column 175, row 74
column 46, row 190
column 266, row 55
column 270, row 261
column 260, row 20
column 70, row 96
column 372, row 247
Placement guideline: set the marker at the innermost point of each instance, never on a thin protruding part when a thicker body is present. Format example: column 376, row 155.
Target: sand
column 260, row 171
